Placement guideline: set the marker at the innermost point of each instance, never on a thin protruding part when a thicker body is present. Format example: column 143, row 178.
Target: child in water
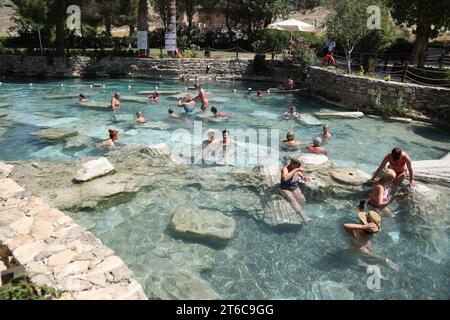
column 154, row 97
column 139, row 117
column 113, row 136
column 172, row 114
column 218, row 114
column 326, row 132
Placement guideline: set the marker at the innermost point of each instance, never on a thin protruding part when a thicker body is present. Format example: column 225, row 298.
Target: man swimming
column 290, row 141
column 315, row 147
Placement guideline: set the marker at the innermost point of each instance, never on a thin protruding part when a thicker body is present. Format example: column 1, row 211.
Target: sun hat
column 372, row 216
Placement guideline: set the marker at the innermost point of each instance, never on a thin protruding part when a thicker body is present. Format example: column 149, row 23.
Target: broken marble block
column 94, row 169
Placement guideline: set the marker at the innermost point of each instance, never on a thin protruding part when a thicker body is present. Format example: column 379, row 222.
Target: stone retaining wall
column 57, row 252
column 74, row 67
column 379, row 96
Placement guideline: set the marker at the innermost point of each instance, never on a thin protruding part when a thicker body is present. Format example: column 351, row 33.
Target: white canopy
column 292, row 25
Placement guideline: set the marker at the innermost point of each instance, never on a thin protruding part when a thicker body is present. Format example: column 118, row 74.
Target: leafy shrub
column 24, row 290
column 303, row 54
column 278, row 40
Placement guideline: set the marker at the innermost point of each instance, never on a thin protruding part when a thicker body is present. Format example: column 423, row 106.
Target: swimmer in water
column 172, row 114
column 258, row 93
column 139, row 117
column 326, row 132
column 82, row 98
column 292, row 113
column 154, row 97
column 362, row 233
column 208, row 146
column 219, row 114
column 290, row 141
column 315, row 147
column 187, row 103
column 115, row 102
column 113, row 136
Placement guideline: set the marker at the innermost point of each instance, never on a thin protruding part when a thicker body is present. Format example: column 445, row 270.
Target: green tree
column 428, row 17
column 162, row 9
column 32, row 14
column 348, row 24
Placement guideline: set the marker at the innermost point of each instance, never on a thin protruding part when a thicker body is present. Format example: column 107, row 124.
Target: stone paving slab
column 57, row 252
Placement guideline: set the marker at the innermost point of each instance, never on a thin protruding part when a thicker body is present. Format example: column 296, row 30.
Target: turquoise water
column 258, row 263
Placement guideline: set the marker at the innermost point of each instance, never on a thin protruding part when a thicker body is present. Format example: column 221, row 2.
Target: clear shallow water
column 258, row 263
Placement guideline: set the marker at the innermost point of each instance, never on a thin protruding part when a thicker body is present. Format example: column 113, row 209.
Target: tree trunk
column 419, row 48
column 348, row 57
column 172, row 19
column 143, row 21
column 227, row 21
column 190, row 17
column 60, row 27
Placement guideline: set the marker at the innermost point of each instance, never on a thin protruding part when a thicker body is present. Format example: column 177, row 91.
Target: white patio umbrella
column 292, row 25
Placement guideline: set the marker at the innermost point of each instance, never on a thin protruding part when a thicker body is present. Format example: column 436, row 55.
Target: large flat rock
column 437, row 171
column 330, row 290
column 93, row 169
column 95, row 105
column 5, row 169
column 138, row 99
column 350, row 176
column 54, row 134
column 62, row 96
column 309, row 119
column 339, row 115
column 203, row 225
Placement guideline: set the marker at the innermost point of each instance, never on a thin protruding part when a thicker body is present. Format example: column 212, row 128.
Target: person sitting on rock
column 289, row 187
column 326, row 132
column 115, row 102
column 400, row 162
column 290, row 141
column 315, row 147
column 379, row 198
column 362, row 234
column 292, row 113
column 139, row 117
column 113, row 136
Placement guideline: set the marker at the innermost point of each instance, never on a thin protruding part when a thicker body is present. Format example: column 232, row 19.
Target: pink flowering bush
column 302, row 53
